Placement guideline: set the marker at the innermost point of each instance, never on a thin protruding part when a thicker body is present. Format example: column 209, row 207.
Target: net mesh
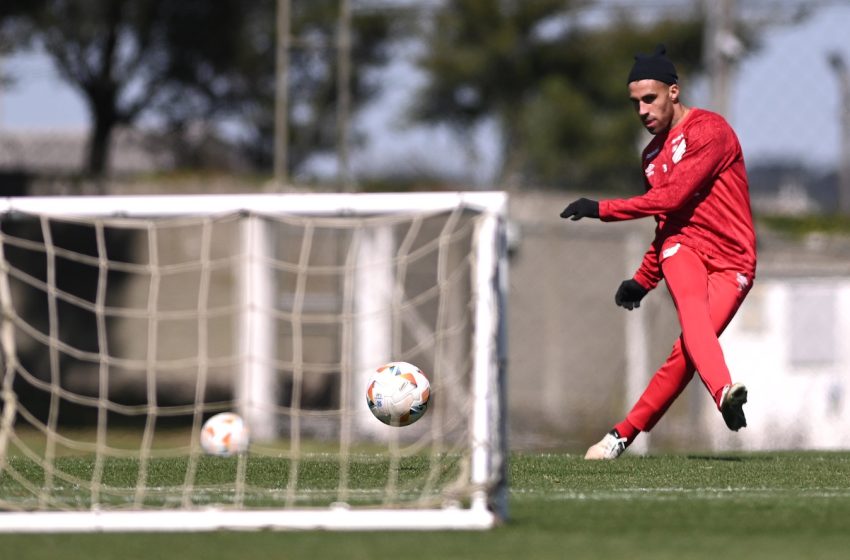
column 120, row 336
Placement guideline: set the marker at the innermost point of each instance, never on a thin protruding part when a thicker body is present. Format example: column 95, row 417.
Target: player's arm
column 649, row 272
column 704, row 156
column 631, row 291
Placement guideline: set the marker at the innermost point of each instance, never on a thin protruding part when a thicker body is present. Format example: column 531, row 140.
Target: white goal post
column 128, row 320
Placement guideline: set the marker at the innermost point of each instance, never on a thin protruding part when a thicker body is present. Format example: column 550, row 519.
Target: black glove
column 581, row 208
column 629, row 294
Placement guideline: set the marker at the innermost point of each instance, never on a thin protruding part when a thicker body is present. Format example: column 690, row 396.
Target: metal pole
column 344, row 94
column 719, row 44
column 1, row 92
column 281, row 121
column 637, row 344
column 836, row 61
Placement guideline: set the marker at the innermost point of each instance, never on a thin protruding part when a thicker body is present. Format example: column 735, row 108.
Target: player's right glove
column 629, row 294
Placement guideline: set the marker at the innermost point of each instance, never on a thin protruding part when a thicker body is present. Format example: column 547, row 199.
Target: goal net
column 127, row 321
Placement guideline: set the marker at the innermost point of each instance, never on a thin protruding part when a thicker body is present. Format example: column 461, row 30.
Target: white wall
column 790, row 344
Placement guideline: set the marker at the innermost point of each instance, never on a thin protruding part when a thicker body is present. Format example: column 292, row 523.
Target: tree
column 241, row 82
column 112, row 52
column 556, row 88
column 193, row 60
column 12, row 35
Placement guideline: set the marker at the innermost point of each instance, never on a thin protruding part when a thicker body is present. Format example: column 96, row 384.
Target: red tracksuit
column 704, row 248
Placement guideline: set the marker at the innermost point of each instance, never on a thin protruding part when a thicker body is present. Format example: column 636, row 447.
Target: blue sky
column 38, row 99
column 786, row 97
column 785, row 103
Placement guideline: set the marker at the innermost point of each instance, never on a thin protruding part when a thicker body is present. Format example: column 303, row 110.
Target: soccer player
column 704, row 246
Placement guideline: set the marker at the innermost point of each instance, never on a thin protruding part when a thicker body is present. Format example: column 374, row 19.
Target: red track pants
column 706, row 297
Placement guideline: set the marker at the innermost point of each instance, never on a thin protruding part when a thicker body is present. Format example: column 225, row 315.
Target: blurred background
column 526, row 96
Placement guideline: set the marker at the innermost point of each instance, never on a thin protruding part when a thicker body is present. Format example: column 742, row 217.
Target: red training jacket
column 696, row 187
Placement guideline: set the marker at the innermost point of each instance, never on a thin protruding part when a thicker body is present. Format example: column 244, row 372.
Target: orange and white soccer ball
column 398, row 393
column 224, row 434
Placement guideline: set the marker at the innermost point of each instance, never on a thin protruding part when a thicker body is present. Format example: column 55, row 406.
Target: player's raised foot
column 610, row 447
column 732, row 401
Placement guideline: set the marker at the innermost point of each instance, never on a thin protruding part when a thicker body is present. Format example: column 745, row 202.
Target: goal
column 129, row 320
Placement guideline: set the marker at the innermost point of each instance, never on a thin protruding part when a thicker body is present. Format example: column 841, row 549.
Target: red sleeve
column 649, row 272
column 704, row 156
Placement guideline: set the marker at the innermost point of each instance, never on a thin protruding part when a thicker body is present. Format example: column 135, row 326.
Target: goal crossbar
column 260, row 203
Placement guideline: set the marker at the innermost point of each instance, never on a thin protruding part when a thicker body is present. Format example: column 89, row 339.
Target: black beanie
column 655, row 66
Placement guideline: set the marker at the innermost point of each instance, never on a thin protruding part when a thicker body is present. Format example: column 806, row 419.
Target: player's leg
column 724, row 293
column 665, row 386
column 704, row 306
column 727, row 290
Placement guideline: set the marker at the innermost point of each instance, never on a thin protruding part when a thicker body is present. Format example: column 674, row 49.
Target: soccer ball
column 398, row 393
column 224, row 434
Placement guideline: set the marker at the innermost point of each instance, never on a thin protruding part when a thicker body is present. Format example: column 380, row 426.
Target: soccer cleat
column 732, row 401
column 610, row 447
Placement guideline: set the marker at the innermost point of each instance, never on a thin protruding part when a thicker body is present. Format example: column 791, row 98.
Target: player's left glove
column 581, row 208
column 629, row 294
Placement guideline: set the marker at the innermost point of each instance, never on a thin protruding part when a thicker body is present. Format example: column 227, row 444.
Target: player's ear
column 674, row 93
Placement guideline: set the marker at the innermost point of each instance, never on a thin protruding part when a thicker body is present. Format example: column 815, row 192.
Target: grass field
column 771, row 506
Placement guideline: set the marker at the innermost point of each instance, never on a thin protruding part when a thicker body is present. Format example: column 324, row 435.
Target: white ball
column 224, row 434
column 398, row 393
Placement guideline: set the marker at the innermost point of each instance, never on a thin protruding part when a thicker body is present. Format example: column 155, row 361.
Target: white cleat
column 610, row 447
column 732, row 402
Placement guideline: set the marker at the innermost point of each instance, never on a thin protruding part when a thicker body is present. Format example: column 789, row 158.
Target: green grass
column 266, row 480
column 771, row 506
